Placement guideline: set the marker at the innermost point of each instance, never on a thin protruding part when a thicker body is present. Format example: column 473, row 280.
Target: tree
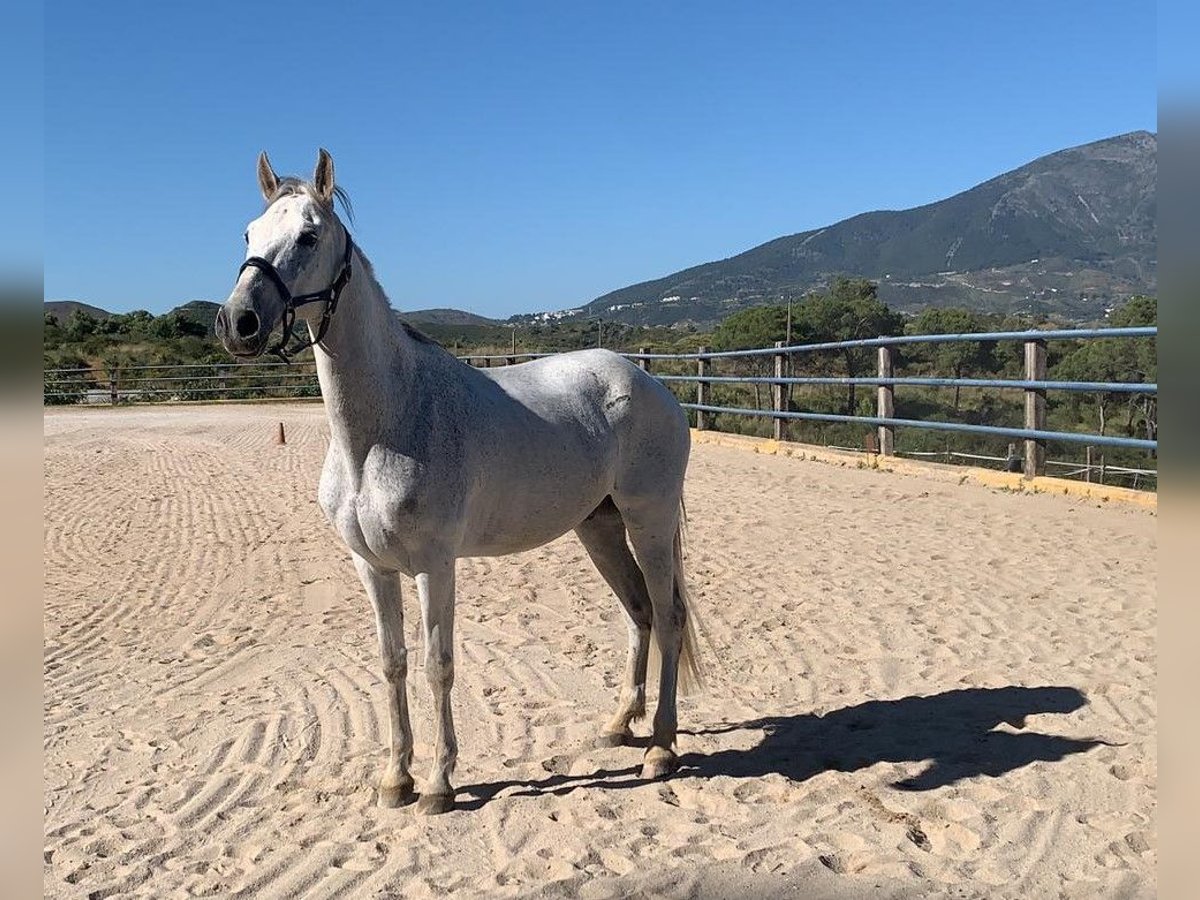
column 164, row 328
column 1119, row 360
column 759, row 326
column 749, row 329
column 52, row 333
column 851, row 310
column 1138, row 310
column 960, row 357
column 138, row 321
column 80, row 325
column 1141, row 359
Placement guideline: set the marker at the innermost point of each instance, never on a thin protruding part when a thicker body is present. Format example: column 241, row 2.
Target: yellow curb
column 1008, row 481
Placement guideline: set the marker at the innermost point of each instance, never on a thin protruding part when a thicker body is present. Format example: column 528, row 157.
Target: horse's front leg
column 383, row 587
column 435, row 586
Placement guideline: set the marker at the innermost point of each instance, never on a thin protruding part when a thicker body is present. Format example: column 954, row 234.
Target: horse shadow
column 953, row 731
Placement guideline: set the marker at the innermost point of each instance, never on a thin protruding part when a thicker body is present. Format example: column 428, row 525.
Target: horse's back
column 598, row 384
column 565, row 380
column 621, row 405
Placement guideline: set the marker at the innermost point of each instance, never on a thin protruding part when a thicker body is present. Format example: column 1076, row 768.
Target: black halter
column 329, row 296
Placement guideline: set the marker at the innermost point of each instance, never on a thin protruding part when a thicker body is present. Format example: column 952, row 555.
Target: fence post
column 702, row 366
column 644, row 364
column 113, row 393
column 1035, row 407
column 779, row 396
column 885, row 403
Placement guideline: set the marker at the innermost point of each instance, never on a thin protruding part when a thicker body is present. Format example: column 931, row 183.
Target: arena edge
column 1010, row 481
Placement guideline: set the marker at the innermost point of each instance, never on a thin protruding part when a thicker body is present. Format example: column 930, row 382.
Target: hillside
column 1066, row 234
column 62, row 309
column 445, row 317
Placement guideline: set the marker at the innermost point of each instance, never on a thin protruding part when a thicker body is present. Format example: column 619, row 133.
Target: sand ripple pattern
column 902, row 700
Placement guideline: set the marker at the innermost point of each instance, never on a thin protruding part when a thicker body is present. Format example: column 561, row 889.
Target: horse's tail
column 691, row 675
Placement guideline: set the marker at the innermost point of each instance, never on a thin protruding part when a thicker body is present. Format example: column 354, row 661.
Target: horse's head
column 297, row 255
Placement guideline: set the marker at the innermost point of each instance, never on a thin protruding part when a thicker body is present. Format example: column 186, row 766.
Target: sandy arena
column 915, row 687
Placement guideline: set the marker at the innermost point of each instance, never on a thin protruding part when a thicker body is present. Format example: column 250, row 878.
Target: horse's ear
column 323, row 176
column 268, row 182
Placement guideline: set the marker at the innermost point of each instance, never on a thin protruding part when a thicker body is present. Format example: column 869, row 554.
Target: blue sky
column 510, row 157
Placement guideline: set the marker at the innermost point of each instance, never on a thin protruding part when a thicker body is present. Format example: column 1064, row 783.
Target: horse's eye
column 307, row 239
column 246, row 237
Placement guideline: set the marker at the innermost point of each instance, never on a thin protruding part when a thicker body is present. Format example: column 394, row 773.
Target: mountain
column 1065, row 234
column 445, row 317
column 62, row 309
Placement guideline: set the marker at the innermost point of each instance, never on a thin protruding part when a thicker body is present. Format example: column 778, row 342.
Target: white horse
column 431, row 460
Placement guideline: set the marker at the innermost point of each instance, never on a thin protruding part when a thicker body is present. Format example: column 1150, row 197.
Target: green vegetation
column 837, row 316
column 850, row 309
column 174, row 337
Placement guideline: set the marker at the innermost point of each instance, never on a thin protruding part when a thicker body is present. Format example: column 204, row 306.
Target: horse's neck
column 364, row 365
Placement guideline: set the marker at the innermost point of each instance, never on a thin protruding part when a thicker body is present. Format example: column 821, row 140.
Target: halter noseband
column 329, row 296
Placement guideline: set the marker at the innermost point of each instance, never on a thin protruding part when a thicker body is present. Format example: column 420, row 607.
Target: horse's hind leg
column 603, row 537
column 652, row 532
column 383, row 587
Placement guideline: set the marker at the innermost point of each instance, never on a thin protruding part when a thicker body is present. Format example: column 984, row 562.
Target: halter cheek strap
column 329, row 297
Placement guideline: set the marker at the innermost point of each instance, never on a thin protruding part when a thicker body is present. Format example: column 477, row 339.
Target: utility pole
column 787, row 340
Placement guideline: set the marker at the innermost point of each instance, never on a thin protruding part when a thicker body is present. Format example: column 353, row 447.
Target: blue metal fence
column 274, row 380
column 1035, row 434
column 1035, row 387
column 900, row 340
column 1092, row 387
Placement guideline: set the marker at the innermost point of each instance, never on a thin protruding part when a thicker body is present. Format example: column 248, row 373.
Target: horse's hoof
column 659, row 763
column 434, row 804
column 613, row 739
column 393, row 795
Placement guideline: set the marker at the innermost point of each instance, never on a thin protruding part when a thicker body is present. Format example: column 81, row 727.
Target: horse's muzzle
column 241, row 331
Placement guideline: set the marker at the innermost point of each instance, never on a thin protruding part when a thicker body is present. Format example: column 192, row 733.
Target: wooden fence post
column 779, row 395
column 644, row 364
column 885, row 403
column 1035, row 407
column 702, row 367
column 113, row 394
